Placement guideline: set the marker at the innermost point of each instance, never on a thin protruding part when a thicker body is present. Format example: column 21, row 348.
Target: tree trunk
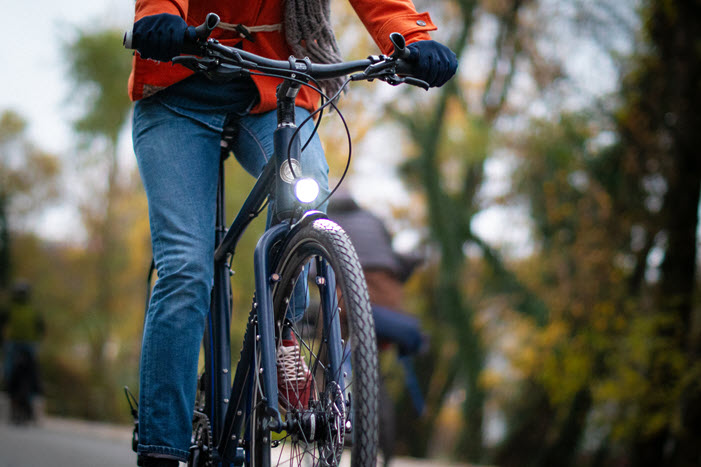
column 675, row 31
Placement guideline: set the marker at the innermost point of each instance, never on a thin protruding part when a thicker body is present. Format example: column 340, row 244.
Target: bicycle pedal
column 134, row 409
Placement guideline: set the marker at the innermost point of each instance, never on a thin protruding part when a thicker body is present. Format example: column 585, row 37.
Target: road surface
column 59, row 442
column 62, row 443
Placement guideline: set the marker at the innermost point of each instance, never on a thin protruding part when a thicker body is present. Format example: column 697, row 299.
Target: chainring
column 201, row 449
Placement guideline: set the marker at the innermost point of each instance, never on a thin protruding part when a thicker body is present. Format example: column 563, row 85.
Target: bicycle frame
column 226, row 421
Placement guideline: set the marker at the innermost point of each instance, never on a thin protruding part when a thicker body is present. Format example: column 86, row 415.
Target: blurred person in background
column 24, row 328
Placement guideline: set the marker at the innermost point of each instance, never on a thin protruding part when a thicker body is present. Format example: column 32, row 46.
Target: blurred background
column 552, row 190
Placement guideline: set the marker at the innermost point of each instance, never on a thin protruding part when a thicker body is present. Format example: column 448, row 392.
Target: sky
column 33, row 81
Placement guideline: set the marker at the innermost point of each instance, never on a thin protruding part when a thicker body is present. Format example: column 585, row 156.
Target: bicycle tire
column 355, row 387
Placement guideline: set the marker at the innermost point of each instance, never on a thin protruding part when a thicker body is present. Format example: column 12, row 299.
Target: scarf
column 309, row 33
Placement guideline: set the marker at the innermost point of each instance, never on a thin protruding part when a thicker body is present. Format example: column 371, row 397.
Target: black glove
column 161, row 36
column 435, row 63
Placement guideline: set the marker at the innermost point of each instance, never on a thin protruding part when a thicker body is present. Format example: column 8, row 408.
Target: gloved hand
column 161, row 36
column 434, row 62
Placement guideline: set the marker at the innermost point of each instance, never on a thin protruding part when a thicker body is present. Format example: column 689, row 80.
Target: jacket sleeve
column 154, row 7
column 383, row 17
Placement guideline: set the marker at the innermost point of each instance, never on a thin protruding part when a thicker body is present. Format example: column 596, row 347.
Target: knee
column 187, row 271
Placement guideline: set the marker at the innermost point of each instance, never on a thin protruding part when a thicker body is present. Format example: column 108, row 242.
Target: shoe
column 294, row 380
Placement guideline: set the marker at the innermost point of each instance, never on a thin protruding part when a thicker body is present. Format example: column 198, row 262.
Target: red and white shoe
column 294, row 380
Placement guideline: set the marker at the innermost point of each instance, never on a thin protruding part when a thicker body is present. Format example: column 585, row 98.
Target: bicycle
column 246, row 422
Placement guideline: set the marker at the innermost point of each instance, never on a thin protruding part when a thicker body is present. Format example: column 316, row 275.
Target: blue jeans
column 398, row 328
column 177, row 146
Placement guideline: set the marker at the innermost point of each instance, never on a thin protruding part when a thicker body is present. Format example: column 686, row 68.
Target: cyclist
column 177, row 125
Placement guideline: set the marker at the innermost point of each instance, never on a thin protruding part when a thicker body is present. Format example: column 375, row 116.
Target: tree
column 453, row 138
column 28, row 178
column 581, row 223
column 659, row 124
column 99, row 68
column 448, row 169
column 619, row 357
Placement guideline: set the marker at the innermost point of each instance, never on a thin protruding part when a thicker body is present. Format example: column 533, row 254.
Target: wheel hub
column 331, row 448
column 324, row 423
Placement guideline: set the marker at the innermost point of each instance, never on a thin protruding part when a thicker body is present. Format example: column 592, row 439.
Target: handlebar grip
column 405, row 68
column 128, row 39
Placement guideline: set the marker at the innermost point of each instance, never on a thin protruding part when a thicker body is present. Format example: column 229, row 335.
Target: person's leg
column 9, row 361
column 399, row 328
column 179, row 161
column 254, row 147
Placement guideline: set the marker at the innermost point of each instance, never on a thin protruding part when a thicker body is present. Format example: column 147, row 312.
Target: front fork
column 326, row 281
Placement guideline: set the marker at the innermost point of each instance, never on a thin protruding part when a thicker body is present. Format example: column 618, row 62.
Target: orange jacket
column 380, row 17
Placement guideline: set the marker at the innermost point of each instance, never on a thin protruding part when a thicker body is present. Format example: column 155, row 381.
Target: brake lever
column 419, row 83
column 396, row 80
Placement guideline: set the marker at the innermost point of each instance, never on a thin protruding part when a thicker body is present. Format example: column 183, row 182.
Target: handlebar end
column 128, row 39
column 203, row 31
column 400, row 50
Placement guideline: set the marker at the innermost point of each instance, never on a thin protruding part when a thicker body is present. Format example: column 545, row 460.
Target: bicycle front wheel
column 327, row 355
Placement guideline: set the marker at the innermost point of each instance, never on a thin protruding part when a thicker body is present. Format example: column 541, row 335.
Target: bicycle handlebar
column 229, row 61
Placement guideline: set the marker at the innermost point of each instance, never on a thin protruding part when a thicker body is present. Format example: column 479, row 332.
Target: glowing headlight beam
column 306, row 190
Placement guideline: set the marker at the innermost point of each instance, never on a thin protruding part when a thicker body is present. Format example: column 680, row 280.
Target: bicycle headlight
column 306, row 190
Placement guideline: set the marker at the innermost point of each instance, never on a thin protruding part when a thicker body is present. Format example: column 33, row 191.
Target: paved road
column 61, row 443
column 68, row 443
